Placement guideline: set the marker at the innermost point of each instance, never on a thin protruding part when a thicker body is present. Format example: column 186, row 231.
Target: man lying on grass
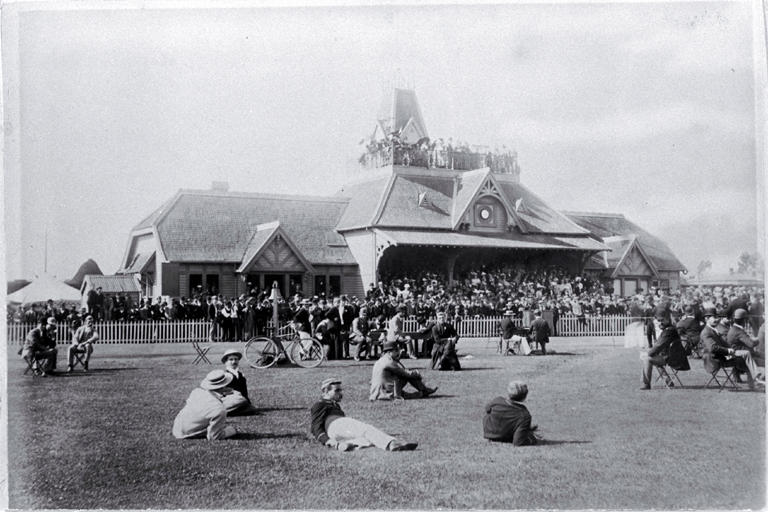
column 507, row 420
column 237, row 403
column 332, row 428
column 204, row 415
column 390, row 377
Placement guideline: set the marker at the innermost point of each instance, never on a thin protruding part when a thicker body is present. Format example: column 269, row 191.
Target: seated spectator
column 237, row 403
column 507, row 420
column 666, row 350
column 742, row 345
column 395, row 330
column 331, row 427
column 361, row 326
column 39, row 348
column 390, row 377
column 204, row 414
column 689, row 329
column 444, row 356
column 82, row 342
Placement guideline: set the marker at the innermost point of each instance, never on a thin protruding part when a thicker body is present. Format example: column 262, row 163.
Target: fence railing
column 186, row 331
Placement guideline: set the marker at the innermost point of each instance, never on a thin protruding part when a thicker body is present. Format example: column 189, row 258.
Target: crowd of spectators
column 489, row 291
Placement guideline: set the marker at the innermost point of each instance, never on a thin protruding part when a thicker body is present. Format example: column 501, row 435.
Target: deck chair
column 727, row 368
column 662, row 371
column 202, row 352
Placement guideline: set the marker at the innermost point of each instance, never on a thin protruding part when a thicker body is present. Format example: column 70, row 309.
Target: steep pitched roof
column 150, row 219
column 206, row 225
column 537, row 215
column 401, row 207
column 364, row 199
column 263, row 236
column 139, row 263
column 465, row 192
column 400, row 108
column 605, row 225
column 505, row 240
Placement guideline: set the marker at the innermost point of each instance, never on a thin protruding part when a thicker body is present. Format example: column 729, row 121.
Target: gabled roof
column 364, row 198
column 264, row 235
column 111, row 284
column 139, row 263
column 606, row 225
column 400, row 207
column 208, row 225
column 536, row 214
column 629, row 245
column 476, row 183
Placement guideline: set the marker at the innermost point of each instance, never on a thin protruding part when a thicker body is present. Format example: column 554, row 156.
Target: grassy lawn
column 103, row 440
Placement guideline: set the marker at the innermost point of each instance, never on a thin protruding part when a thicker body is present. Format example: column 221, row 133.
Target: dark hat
column 688, row 310
column 739, row 314
column 390, row 345
column 661, row 314
column 401, row 308
column 710, row 312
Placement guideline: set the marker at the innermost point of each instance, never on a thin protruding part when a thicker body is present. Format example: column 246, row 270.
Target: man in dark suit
column 666, row 350
column 507, row 331
column 716, row 351
column 336, row 345
column 507, row 420
column 737, row 303
column 444, row 351
column 743, row 344
column 689, row 330
column 346, row 316
column 540, row 331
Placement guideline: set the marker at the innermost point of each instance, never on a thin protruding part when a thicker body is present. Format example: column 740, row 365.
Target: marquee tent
column 43, row 289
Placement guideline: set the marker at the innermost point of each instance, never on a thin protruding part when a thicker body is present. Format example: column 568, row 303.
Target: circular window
column 485, row 214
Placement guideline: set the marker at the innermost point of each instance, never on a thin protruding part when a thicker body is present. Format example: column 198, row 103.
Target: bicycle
column 263, row 352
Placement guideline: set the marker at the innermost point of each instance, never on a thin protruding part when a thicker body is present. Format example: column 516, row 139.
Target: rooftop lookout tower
column 400, row 138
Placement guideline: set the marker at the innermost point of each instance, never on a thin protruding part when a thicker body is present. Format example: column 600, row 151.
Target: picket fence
column 187, row 331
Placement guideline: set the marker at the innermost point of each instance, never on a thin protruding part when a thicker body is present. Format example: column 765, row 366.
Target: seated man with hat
column 508, row 333
column 39, row 348
column 204, row 414
column 667, row 350
column 237, row 403
column 390, row 377
column 689, row 329
column 743, row 345
column 395, row 330
column 444, row 357
column 716, row 352
column 82, row 343
column 331, row 427
column 507, row 420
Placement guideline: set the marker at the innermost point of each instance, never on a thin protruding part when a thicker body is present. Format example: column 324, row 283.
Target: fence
column 187, row 331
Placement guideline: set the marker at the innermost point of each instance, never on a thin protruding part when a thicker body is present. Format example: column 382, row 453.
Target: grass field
column 103, row 439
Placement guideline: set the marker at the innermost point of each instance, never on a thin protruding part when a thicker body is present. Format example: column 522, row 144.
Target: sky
column 643, row 109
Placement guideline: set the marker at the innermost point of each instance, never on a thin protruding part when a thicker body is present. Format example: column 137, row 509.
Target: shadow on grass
column 556, row 441
column 91, row 372
column 260, row 410
column 465, row 369
column 253, row 435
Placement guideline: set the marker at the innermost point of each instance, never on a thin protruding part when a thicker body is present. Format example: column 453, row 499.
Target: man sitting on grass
column 390, row 377
column 332, row 428
column 507, row 420
column 204, row 415
column 237, row 403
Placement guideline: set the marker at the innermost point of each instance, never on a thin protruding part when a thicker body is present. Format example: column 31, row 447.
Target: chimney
column 221, row 186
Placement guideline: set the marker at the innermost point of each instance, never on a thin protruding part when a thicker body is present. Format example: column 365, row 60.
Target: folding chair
column 79, row 358
column 34, row 367
column 202, row 352
column 728, row 372
column 662, row 370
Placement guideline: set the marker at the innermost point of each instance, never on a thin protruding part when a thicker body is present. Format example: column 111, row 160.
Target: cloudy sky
column 643, row 109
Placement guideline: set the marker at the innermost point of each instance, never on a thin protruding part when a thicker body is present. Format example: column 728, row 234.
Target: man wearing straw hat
column 390, row 377
column 82, row 342
column 204, row 414
column 331, row 427
column 507, row 332
column 237, row 403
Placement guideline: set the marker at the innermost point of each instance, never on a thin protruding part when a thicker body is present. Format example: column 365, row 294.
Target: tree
column 703, row 267
column 750, row 263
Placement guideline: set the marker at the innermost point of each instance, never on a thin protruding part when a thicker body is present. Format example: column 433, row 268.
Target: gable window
column 485, row 215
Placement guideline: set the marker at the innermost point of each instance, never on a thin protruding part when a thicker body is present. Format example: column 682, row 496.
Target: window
column 630, row 287
column 485, row 215
column 335, row 288
column 195, row 280
column 296, row 284
column 617, row 286
column 320, row 286
column 212, row 284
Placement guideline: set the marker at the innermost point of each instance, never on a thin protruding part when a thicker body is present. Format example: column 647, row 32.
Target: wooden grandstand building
column 411, row 204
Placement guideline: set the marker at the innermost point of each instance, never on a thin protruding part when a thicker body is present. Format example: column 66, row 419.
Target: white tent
column 43, row 289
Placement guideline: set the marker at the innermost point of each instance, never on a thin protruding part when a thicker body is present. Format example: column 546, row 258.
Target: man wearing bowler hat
column 204, row 414
column 390, row 377
column 237, row 403
column 334, row 429
column 666, row 350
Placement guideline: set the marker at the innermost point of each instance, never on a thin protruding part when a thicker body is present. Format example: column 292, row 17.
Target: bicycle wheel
column 261, row 352
column 308, row 357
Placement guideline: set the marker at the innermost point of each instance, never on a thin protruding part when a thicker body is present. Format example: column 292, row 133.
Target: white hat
column 230, row 352
column 217, row 379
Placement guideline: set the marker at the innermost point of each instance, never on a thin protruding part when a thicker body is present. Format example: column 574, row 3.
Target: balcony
column 439, row 158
